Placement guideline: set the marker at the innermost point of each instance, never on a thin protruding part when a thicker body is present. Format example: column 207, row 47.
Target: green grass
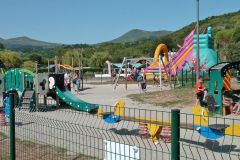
column 60, row 151
column 179, row 97
column 3, row 136
column 4, row 157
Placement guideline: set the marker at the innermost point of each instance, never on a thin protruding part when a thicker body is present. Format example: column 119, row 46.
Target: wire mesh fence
column 209, row 138
column 64, row 133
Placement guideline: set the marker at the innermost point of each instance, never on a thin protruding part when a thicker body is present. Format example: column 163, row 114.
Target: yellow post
column 119, row 108
column 100, row 112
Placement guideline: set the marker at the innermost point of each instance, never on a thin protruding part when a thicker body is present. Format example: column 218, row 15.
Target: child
column 200, row 91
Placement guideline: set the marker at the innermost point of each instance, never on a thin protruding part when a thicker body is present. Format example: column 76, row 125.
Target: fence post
column 12, row 128
column 186, row 76
column 175, row 145
column 182, row 77
column 192, row 77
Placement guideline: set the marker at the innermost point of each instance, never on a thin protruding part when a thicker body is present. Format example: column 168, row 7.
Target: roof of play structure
column 132, row 65
column 225, row 66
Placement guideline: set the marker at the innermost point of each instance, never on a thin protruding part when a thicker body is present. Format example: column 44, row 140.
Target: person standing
column 67, row 80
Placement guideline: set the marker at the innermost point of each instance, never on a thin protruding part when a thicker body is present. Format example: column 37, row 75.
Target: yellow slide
column 161, row 47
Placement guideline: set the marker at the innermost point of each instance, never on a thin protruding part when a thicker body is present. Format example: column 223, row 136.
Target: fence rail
column 63, row 133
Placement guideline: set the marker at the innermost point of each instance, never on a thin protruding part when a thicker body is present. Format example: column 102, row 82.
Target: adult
column 67, row 80
column 114, row 75
column 74, row 80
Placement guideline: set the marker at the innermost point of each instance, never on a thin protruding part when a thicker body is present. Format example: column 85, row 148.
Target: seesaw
column 212, row 131
column 156, row 126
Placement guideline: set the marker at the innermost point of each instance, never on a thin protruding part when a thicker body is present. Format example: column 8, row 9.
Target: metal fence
column 63, row 133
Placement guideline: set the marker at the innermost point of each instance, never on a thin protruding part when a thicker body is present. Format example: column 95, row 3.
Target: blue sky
column 94, row 21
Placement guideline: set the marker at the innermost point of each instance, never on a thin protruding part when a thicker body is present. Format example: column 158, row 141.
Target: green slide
column 75, row 102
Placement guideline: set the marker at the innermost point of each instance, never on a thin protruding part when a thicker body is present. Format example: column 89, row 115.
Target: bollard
column 175, row 145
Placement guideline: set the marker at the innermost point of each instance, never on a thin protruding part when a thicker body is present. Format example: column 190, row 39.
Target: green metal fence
column 63, row 133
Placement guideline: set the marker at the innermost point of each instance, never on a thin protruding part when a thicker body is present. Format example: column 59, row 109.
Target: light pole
column 197, row 57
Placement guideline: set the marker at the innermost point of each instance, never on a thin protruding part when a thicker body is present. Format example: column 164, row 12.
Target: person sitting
column 234, row 107
column 200, row 91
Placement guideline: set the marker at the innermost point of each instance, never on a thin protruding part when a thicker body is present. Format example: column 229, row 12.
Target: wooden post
column 56, row 65
column 48, row 66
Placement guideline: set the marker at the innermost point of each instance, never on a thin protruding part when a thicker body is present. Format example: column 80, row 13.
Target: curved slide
column 66, row 96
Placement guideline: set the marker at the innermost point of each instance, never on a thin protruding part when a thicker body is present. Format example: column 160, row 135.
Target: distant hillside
column 225, row 22
column 25, row 42
column 137, row 34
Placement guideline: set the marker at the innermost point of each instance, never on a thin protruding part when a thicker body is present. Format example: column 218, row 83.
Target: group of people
column 234, row 105
column 74, row 79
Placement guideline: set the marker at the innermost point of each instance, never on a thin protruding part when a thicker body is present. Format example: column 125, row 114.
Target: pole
column 48, row 66
column 126, row 67
column 175, row 145
column 79, row 63
column 72, row 65
column 82, row 73
column 182, row 77
column 56, row 65
column 12, row 129
column 36, row 67
column 186, row 77
column 36, row 87
column 170, row 71
column 192, row 77
column 197, row 57
column 160, row 73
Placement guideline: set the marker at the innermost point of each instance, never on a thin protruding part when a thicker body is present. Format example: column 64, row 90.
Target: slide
column 185, row 57
column 66, row 96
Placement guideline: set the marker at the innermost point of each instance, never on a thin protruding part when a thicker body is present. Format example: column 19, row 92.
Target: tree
column 236, row 34
column 10, row 59
column 36, row 58
column 30, row 65
column 224, row 37
column 233, row 52
column 99, row 58
column 1, row 46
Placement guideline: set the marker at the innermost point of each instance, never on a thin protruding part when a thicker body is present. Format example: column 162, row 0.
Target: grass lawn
column 180, row 97
column 31, row 150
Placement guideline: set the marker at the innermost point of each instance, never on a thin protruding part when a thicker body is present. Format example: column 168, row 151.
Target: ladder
column 28, row 100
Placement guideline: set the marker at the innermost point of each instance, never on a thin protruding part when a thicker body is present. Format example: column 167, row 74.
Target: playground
column 138, row 120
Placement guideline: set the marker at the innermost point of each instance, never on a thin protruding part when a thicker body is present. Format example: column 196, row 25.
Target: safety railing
column 113, row 132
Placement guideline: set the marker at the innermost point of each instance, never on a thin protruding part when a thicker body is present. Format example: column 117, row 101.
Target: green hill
column 226, row 32
column 25, row 42
column 228, row 21
column 137, row 34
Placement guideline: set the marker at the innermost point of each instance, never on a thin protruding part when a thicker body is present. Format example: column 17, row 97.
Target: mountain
column 25, row 42
column 137, row 34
